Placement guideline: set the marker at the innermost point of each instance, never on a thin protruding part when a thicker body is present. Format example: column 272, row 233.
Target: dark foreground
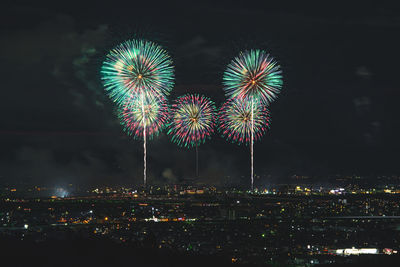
column 99, row 253
column 226, row 229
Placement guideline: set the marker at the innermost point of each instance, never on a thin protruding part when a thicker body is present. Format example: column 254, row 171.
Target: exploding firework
column 253, row 75
column 193, row 119
column 137, row 67
column 235, row 120
column 142, row 115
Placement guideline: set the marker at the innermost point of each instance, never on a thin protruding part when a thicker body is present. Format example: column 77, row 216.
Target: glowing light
column 61, row 192
column 357, row 251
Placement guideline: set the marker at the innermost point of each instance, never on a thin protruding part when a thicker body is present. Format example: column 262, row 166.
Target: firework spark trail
column 197, row 161
column 144, row 142
column 251, row 145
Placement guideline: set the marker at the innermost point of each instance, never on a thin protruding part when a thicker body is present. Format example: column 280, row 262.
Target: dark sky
column 338, row 111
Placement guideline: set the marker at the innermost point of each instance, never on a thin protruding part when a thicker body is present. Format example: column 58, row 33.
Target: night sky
column 338, row 111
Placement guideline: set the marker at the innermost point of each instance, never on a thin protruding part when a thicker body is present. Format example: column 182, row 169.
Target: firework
column 253, row 75
column 138, row 113
column 137, row 67
column 193, row 118
column 235, row 120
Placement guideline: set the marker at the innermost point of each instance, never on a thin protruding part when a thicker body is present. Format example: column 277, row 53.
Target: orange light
column 253, row 81
column 140, row 76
